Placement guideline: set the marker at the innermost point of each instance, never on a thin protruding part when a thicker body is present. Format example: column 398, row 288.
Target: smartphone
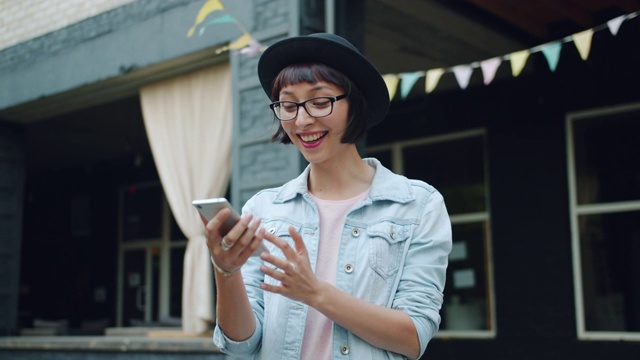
column 208, row 208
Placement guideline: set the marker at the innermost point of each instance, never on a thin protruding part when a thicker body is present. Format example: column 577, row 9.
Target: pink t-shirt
column 318, row 330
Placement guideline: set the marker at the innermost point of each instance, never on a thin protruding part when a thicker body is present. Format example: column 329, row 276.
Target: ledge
column 163, row 343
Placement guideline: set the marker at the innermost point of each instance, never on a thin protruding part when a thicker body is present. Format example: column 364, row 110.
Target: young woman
column 357, row 254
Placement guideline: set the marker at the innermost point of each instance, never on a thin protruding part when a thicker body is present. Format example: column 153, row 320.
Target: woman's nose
column 303, row 119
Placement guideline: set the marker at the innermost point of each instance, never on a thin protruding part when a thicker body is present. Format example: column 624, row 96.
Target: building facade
column 540, row 173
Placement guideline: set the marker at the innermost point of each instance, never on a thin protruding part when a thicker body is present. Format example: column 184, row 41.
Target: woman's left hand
column 297, row 280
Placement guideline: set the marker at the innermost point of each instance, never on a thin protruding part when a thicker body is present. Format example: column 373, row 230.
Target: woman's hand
column 230, row 252
column 297, row 280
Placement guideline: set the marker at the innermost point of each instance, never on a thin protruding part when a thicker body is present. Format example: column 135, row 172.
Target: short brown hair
column 312, row 73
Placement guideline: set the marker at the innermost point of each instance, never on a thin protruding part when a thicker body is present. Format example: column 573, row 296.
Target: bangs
column 307, row 73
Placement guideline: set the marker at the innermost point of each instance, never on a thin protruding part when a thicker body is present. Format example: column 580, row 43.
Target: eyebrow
column 315, row 88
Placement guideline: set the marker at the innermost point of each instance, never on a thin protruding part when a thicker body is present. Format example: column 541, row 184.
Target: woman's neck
column 342, row 178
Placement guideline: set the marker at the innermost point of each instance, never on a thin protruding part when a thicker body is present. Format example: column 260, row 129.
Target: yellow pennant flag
column 432, row 78
column 583, row 42
column 209, row 7
column 518, row 61
column 239, row 43
column 392, row 81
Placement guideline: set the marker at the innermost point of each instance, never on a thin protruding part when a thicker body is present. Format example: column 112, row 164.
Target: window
column 455, row 164
column 604, row 179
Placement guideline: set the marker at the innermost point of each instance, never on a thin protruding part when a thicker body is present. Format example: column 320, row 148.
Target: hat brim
column 326, row 50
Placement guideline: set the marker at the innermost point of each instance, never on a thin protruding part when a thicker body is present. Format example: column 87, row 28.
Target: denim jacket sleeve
column 422, row 281
column 252, row 279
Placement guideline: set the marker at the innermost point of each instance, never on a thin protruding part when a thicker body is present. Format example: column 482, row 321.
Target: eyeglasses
column 317, row 107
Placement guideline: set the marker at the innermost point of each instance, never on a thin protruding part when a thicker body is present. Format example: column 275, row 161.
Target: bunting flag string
column 405, row 81
column 489, row 67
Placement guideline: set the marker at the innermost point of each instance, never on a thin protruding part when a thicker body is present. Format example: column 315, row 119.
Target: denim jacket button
column 344, row 349
column 355, row 232
column 348, row 268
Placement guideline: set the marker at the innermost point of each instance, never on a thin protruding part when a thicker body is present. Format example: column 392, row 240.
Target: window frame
column 576, row 210
column 396, row 149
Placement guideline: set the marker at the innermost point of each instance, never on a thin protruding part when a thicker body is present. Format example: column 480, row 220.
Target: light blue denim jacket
column 393, row 253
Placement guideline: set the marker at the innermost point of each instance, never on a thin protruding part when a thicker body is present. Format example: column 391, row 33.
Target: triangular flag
column 408, row 80
column 219, row 20
column 489, row 68
column 463, row 75
column 239, row 43
column 518, row 61
column 392, row 81
column 433, row 77
column 209, row 7
column 551, row 52
column 583, row 42
column 253, row 49
column 614, row 24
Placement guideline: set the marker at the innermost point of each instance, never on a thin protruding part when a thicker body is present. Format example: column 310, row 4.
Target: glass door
column 141, row 275
column 150, row 259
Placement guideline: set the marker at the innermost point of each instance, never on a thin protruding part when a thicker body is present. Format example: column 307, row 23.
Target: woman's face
column 318, row 139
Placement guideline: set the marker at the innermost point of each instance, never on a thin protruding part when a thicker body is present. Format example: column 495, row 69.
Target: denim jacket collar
column 385, row 186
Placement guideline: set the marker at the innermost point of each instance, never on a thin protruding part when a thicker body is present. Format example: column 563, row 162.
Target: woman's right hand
column 241, row 241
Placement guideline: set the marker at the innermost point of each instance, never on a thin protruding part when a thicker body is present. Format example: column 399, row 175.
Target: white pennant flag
column 463, row 75
column 489, row 68
column 614, row 24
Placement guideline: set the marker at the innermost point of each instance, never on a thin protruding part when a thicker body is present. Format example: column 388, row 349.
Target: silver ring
column 293, row 266
column 224, row 245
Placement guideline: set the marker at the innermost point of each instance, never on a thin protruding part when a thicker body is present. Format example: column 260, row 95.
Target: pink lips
column 311, row 140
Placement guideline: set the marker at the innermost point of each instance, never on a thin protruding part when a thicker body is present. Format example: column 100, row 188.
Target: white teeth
column 311, row 138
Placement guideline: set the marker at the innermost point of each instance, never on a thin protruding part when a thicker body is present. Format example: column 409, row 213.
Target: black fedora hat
column 334, row 51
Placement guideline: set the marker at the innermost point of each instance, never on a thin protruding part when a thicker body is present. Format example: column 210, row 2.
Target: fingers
column 288, row 251
column 297, row 240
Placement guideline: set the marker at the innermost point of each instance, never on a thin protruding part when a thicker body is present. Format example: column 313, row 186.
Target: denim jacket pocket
column 279, row 228
column 387, row 240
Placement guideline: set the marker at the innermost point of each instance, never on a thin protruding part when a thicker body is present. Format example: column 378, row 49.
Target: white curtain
column 188, row 121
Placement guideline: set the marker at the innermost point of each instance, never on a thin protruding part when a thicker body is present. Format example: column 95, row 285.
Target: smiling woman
column 357, row 254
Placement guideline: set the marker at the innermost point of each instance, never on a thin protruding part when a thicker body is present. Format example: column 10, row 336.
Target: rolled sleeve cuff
column 239, row 348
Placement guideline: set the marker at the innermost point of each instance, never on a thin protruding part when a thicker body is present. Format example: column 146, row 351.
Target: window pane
column 384, row 157
column 609, row 250
column 175, row 284
column 607, row 156
column 175, row 231
column 142, row 213
column 455, row 168
column 466, row 293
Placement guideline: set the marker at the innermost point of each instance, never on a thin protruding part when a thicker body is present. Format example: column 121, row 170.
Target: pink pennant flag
column 253, row 50
column 433, row 77
column 489, row 69
column 583, row 42
column 614, row 24
column 463, row 75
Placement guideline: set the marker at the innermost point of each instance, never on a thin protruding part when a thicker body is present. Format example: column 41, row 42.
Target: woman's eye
column 288, row 106
column 320, row 103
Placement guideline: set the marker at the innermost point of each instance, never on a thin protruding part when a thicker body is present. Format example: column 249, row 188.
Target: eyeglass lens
column 316, row 107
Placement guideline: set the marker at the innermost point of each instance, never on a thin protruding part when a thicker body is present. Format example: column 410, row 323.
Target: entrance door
column 140, row 254
column 141, row 275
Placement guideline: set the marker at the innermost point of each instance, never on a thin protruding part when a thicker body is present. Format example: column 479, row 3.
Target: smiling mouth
column 312, row 138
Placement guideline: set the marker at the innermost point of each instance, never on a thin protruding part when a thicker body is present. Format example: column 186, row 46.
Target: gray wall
column 257, row 163
column 108, row 56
